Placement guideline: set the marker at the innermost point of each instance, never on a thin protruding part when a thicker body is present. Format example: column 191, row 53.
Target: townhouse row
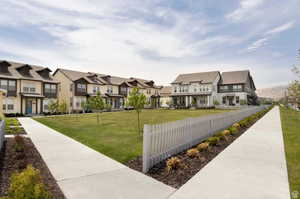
column 210, row 89
column 29, row 89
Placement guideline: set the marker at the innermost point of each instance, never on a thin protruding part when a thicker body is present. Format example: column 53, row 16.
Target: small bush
column 236, row 125
column 192, row 153
column 233, row 130
column 213, row 140
column 19, row 143
column 173, row 163
column 27, row 185
column 203, row 146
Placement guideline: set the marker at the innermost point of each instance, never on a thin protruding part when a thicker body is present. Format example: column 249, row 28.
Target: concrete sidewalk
column 253, row 167
column 84, row 173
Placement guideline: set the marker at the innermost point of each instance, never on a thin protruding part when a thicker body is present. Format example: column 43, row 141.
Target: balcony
column 11, row 93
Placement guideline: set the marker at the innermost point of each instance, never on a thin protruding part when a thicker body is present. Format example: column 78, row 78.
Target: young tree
column 294, row 87
column 85, row 106
column 53, row 106
column 137, row 100
column 97, row 105
column 63, row 107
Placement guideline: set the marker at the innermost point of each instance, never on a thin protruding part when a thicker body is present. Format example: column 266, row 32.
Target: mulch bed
column 11, row 161
column 190, row 166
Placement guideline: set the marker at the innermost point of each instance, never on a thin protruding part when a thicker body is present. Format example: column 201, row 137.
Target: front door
column 230, row 99
column 28, row 106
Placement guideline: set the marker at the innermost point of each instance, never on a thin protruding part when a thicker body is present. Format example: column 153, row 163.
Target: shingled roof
column 165, row 91
column 13, row 72
column 235, row 77
column 104, row 79
column 203, row 77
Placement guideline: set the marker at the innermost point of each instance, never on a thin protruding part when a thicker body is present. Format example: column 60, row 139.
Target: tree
column 194, row 102
column 137, row 100
column 53, row 106
column 63, row 107
column 85, row 106
column 97, row 105
column 294, row 87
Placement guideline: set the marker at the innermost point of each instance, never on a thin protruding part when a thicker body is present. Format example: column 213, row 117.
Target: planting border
column 164, row 140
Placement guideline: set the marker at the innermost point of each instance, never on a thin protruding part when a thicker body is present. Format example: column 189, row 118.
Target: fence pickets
column 161, row 141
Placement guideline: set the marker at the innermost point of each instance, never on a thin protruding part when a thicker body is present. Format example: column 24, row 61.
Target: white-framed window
column 29, row 88
column 9, row 105
column 96, row 89
column 109, row 89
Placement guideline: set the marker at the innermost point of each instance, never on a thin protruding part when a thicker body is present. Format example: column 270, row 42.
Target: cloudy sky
column 154, row 39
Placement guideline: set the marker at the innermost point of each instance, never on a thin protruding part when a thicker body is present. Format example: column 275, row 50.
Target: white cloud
column 245, row 9
column 281, row 28
column 257, row 44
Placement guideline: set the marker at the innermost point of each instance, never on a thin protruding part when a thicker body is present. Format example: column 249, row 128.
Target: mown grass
column 290, row 120
column 116, row 136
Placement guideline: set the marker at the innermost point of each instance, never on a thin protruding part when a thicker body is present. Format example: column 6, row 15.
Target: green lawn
column 116, row 135
column 291, row 132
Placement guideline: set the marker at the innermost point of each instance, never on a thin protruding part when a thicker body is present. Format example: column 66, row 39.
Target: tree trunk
column 138, row 116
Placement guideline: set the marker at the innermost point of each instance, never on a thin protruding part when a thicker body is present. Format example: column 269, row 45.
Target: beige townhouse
column 76, row 87
column 195, row 89
column 29, row 88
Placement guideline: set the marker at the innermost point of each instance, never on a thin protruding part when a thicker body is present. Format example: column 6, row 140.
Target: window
column 81, row 88
column 109, row 89
column 224, row 100
column 237, row 99
column 96, row 89
column 4, row 107
column 148, row 91
column 12, row 85
column 29, row 88
column 3, row 84
column 10, row 107
column 46, row 107
column 175, row 89
column 71, row 101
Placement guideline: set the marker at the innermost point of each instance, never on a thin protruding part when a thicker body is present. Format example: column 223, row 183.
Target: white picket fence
column 164, row 140
column 2, row 132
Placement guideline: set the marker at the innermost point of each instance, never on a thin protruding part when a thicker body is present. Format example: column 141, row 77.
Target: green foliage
column 108, row 107
column 137, row 100
column 194, row 102
column 53, row 106
column 233, row 130
column 12, row 122
column 27, row 185
column 97, row 105
column 85, row 105
column 213, row 140
column 63, row 107
column 216, row 103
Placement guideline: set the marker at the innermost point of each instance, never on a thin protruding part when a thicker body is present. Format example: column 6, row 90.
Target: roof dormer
column 44, row 73
column 4, row 67
column 24, row 70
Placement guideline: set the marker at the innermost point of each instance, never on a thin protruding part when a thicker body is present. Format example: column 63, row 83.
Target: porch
column 31, row 104
column 197, row 101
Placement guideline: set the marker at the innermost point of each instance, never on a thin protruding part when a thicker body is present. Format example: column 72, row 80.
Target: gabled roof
column 165, row 91
column 34, row 75
column 202, row 77
column 235, row 77
column 97, row 78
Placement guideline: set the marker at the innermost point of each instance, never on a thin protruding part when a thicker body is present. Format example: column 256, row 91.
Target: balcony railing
column 50, row 95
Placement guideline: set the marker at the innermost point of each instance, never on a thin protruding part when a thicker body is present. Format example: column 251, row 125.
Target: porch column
column 208, row 102
column 186, row 101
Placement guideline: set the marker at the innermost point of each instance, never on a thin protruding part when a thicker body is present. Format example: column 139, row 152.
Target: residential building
column 76, row 87
column 29, row 88
column 165, row 96
column 195, row 89
column 237, row 88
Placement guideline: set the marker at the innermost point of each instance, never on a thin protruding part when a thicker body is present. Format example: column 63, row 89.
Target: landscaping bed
column 16, row 155
column 177, row 170
column 13, row 127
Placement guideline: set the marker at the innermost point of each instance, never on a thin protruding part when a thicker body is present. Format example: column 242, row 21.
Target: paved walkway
column 84, row 173
column 253, row 167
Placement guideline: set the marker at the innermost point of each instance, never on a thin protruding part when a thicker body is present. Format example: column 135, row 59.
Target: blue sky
column 155, row 39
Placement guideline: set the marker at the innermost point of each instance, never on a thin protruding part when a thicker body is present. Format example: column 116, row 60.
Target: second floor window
column 29, row 88
column 50, row 88
column 81, row 88
column 96, row 89
column 148, row 91
column 9, row 85
column 109, row 89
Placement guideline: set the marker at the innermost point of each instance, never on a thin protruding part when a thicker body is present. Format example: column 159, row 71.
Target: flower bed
column 16, row 155
column 13, row 127
column 178, row 169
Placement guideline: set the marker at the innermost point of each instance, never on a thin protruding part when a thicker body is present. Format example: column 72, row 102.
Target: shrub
column 213, row 140
column 173, row 163
column 19, row 145
column 27, row 185
column 233, row 130
column 203, row 146
column 236, row 125
column 216, row 103
column 192, row 153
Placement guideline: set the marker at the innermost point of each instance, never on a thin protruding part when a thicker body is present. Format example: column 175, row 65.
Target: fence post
column 2, row 129
column 146, row 147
